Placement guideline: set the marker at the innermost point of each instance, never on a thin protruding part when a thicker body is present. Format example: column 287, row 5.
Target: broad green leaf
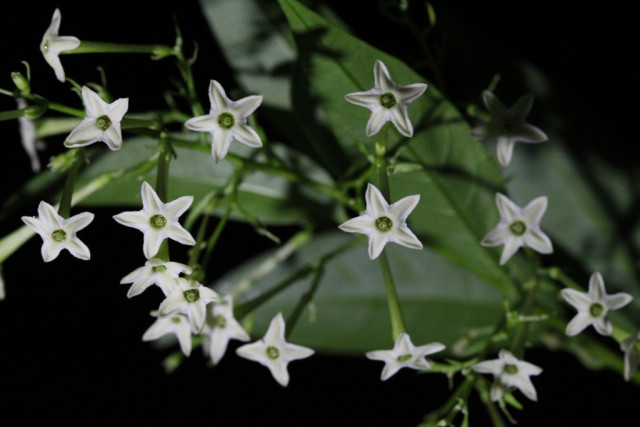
column 350, row 312
column 458, row 179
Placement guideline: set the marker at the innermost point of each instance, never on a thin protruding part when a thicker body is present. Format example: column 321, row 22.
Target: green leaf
column 458, row 179
column 350, row 313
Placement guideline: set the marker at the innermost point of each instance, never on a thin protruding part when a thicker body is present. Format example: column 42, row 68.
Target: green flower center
column 191, row 295
column 388, row 100
column 159, row 269
column 157, row 221
column 220, row 322
column 508, row 126
column 103, row 122
column 596, row 309
column 46, row 46
column 404, row 358
column 273, row 353
column 384, row 224
column 518, row 228
column 226, row 121
column 510, row 369
column 59, row 235
column 175, row 320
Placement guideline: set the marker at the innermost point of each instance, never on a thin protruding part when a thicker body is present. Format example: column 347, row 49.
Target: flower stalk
column 67, row 192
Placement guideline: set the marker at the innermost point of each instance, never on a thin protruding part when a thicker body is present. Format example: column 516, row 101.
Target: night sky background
column 70, row 340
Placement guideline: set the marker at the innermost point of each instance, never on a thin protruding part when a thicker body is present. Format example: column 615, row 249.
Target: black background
column 71, row 348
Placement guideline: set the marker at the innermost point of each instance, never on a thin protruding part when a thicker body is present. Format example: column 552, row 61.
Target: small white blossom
column 519, row 227
column 274, row 352
column 221, row 327
column 507, row 125
column 404, row 355
column 155, row 272
column 176, row 324
column 190, row 298
column 383, row 222
column 631, row 355
column 227, row 120
column 387, row 101
column 593, row 306
column 59, row 233
column 102, row 122
column 158, row 220
column 52, row 44
column 509, row 372
column 28, row 137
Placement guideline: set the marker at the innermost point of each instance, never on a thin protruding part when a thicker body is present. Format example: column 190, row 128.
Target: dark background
column 71, row 341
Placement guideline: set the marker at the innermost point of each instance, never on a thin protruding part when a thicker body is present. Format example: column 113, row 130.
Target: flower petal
column 151, row 203
column 533, row 212
column 537, row 240
column 505, row 149
column 117, row 109
column 50, row 250
column 78, row 222
column 113, row 137
column 275, row 333
column 511, row 246
column 376, row 204
column 403, row 207
column 172, row 304
column 77, row 248
column 405, row 237
column 174, row 209
column 580, row 300
column 497, row 236
column 379, row 116
column 522, row 107
column 246, row 135
column 400, row 118
column 151, row 242
column 179, row 234
column 95, row 106
column 529, row 133
column 220, row 141
column 579, row 322
column 509, row 211
column 409, row 93
column 524, row 384
column 618, row 300
column 218, row 98
column 135, row 219
column 206, row 123
column 382, row 79
column 368, row 99
column 246, row 106
column 362, row 224
column 85, row 133
column 376, row 244
column 494, row 105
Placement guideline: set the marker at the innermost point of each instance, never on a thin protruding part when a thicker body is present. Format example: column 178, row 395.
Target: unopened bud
column 32, row 112
column 21, row 82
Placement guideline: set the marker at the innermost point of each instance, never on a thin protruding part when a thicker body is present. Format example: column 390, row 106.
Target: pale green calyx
column 273, row 353
column 159, row 269
column 157, row 221
column 404, row 358
column 191, row 295
column 388, row 100
column 596, row 309
column 226, row 120
column 59, row 235
column 518, row 228
column 103, row 122
column 384, row 224
column 219, row 321
column 510, row 369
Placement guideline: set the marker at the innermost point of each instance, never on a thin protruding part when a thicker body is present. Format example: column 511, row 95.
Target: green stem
column 184, row 66
column 162, row 184
column 517, row 345
column 485, row 396
column 211, row 244
column 67, row 110
column 381, row 162
column 101, row 47
column 67, row 192
column 11, row 114
column 128, row 123
column 304, row 301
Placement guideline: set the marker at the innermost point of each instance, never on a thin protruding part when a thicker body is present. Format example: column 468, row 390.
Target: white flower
column 102, row 122
column 227, row 120
column 509, row 372
column 190, row 298
column 177, row 325
column 519, row 227
column 631, row 355
column 387, row 101
column 2, row 293
column 274, row 352
column 507, row 125
column 404, row 355
column 28, row 137
column 155, row 272
column 384, row 223
column 158, row 220
column 593, row 306
column 52, row 44
column 59, row 233
column 221, row 327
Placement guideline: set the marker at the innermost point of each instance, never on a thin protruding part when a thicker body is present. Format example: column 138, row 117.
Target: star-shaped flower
column 52, row 44
column 274, row 352
column 102, row 122
column 221, row 327
column 158, row 220
column 387, row 101
column 519, row 227
column 227, row 120
column 176, row 324
column 507, row 125
column 190, row 298
column 593, row 306
column 631, row 355
column 384, row 223
column 509, row 372
column 155, row 272
column 59, row 233
column 404, row 355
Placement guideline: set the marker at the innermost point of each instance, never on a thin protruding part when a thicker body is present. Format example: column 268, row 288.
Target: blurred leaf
column 351, row 314
column 458, row 180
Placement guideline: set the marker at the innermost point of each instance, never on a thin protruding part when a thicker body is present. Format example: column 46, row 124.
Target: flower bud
column 32, row 112
column 21, row 82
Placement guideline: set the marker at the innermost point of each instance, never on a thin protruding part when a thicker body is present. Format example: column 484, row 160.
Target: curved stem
column 67, row 192
column 102, row 47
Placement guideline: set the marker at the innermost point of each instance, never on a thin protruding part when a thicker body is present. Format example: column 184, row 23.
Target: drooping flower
column 221, row 327
column 190, row 298
column 387, row 101
column 274, row 352
column 158, row 220
column 404, row 355
column 519, row 227
column 593, row 306
column 631, row 355
column 227, row 120
column 507, row 125
column 59, row 233
column 509, row 372
column 176, row 324
column 383, row 222
column 28, row 137
column 52, row 44
column 155, row 272
column 102, row 122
